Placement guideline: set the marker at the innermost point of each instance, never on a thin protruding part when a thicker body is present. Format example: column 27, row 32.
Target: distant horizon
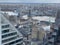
column 25, row 3
column 29, row 1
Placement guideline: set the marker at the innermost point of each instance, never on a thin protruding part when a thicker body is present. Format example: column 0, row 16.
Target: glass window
column 5, row 26
column 5, row 31
column 3, row 41
column 20, row 43
column 15, row 42
column 11, row 34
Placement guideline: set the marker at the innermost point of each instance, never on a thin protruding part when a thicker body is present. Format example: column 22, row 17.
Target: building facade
column 9, row 35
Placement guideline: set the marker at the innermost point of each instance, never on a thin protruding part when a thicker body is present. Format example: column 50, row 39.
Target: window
column 15, row 42
column 5, row 26
column 11, row 34
column 3, row 41
column 20, row 43
column 5, row 31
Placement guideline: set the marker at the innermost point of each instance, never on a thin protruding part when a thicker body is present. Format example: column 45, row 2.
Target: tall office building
column 57, row 21
column 9, row 35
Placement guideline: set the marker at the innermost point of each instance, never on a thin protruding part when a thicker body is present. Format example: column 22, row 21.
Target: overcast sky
column 30, row 1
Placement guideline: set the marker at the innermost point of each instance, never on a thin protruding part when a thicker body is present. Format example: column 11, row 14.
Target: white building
column 9, row 35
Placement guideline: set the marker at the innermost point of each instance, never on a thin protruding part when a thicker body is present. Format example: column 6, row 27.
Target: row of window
column 11, row 43
column 20, row 43
column 5, row 31
column 5, row 26
column 3, row 41
column 10, row 34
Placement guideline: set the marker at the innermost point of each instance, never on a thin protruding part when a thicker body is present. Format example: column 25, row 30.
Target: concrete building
column 9, row 35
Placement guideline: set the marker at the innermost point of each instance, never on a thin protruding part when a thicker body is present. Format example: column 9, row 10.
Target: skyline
column 29, row 1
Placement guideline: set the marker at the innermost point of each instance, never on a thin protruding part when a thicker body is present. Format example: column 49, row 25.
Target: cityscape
column 29, row 23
